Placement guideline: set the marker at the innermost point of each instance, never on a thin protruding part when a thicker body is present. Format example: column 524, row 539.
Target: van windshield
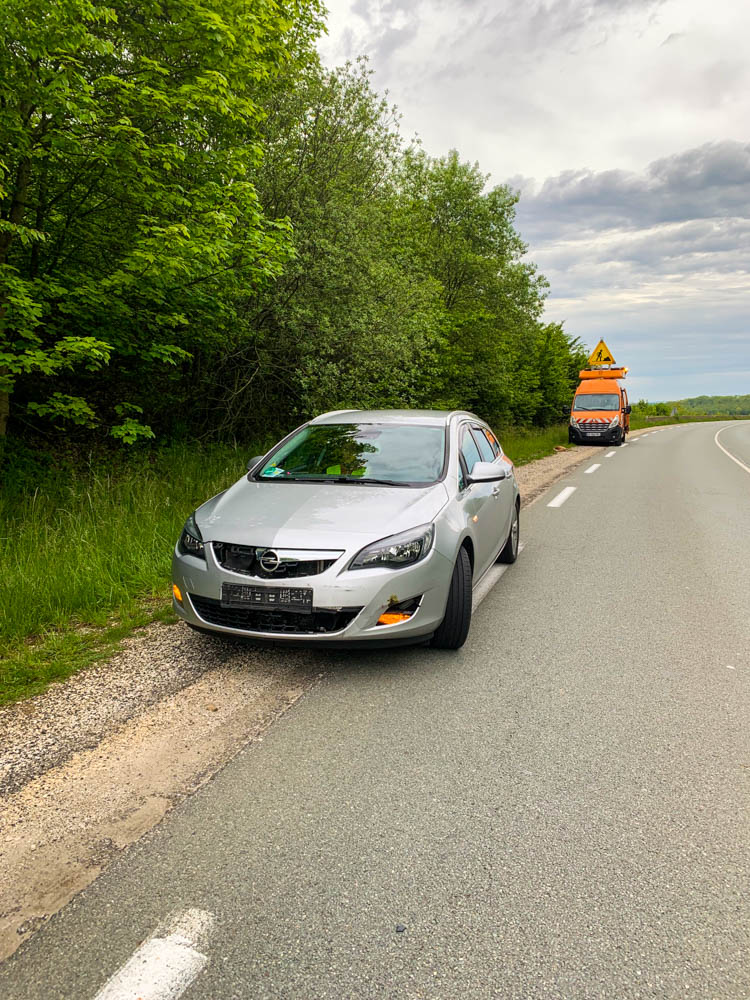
column 597, row 401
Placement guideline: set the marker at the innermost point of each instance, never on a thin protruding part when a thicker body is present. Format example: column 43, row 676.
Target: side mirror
column 627, row 408
column 487, row 472
column 253, row 462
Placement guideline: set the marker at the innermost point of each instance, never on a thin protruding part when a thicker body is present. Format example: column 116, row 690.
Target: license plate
column 594, row 434
column 241, row 595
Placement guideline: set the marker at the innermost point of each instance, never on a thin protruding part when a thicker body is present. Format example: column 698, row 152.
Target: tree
column 128, row 215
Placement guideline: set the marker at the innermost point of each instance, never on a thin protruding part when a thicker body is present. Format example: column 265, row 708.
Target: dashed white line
column 624, row 444
column 728, row 453
column 562, row 496
column 592, row 468
column 165, row 964
column 610, row 454
column 488, row 581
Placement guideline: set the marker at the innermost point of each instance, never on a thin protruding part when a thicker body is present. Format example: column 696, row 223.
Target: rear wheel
column 452, row 631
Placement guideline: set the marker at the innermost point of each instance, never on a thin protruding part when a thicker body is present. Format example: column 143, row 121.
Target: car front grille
column 318, row 622
column 245, row 559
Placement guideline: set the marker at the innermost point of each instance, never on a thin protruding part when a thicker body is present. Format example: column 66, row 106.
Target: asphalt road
column 559, row 810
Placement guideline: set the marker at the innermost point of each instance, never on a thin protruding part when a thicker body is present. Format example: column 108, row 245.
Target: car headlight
column 191, row 540
column 573, row 422
column 403, row 549
column 614, row 422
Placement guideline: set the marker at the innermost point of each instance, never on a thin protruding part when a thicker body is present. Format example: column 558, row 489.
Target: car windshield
column 394, row 454
column 597, row 401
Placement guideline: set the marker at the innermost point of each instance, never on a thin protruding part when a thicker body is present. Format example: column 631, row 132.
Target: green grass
column 522, row 445
column 86, row 558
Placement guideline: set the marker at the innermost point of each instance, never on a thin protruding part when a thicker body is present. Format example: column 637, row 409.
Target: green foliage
column 89, row 541
column 128, row 214
column 718, row 405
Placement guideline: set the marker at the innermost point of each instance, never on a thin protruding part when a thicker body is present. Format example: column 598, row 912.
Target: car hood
column 315, row 515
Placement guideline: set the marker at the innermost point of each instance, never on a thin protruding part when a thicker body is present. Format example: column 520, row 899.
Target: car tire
column 510, row 549
column 452, row 631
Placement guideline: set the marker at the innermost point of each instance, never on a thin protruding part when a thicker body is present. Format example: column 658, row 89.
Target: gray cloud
column 710, row 182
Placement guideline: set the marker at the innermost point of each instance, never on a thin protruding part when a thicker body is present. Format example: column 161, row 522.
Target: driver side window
column 469, row 455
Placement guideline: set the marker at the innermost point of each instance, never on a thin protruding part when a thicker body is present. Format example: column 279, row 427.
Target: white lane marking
column 592, row 468
column 562, row 496
column 729, row 667
column 166, row 963
column 488, row 581
column 611, row 453
column 624, row 444
column 728, row 453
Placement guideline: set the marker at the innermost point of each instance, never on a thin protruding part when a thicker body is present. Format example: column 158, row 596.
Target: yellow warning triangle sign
column 601, row 355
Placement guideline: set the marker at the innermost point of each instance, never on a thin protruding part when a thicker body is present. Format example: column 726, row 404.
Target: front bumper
column 582, row 435
column 346, row 603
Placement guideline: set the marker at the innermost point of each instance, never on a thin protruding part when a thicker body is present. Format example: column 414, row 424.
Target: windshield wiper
column 368, row 479
column 331, row 479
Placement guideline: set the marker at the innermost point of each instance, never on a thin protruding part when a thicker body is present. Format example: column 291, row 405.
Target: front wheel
column 452, row 631
column 510, row 549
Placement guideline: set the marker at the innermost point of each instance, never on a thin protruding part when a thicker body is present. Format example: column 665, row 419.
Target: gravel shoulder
column 91, row 764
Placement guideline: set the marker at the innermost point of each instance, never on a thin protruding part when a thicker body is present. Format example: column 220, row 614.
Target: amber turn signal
column 393, row 617
column 177, row 593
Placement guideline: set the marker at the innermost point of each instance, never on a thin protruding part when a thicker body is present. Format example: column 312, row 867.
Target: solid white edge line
column 165, row 964
column 488, row 581
column 562, row 496
column 592, row 468
column 728, row 453
column 610, row 454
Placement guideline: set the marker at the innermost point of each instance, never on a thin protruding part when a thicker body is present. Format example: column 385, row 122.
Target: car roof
column 424, row 417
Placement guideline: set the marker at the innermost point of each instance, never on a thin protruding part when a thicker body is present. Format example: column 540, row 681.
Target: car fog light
column 400, row 612
column 177, row 593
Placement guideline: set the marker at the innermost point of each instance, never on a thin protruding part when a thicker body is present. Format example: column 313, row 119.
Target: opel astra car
column 358, row 527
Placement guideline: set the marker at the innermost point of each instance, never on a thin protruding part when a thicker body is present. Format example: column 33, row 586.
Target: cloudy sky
column 625, row 125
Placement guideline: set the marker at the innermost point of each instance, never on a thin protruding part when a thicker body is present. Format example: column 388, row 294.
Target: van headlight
column 404, row 549
column 191, row 540
column 614, row 422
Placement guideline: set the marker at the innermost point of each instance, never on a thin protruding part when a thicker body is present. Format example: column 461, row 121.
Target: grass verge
column 524, row 446
column 86, row 557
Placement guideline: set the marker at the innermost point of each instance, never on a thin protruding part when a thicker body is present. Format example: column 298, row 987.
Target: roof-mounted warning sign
column 601, row 355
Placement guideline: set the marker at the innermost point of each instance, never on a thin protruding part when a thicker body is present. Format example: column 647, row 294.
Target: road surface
column 559, row 810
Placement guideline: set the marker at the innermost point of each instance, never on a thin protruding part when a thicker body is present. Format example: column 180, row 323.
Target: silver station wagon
column 361, row 526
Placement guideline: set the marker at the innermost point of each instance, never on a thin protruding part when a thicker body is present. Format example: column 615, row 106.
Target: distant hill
column 731, row 405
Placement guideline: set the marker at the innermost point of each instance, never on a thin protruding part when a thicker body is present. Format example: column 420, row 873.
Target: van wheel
column 452, row 631
column 621, row 438
column 510, row 550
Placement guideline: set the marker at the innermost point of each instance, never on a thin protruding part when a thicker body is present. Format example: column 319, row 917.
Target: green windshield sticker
column 333, row 470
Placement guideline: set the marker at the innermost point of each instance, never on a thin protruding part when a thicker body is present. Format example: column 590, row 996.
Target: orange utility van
column 600, row 410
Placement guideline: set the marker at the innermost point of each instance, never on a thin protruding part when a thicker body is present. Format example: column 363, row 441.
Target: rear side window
column 485, row 448
column 494, row 443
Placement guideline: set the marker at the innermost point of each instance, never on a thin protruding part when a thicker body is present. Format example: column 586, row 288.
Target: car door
column 479, row 503
column 502, row 491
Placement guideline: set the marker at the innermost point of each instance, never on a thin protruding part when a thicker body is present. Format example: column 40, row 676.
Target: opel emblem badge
column 270, row 560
